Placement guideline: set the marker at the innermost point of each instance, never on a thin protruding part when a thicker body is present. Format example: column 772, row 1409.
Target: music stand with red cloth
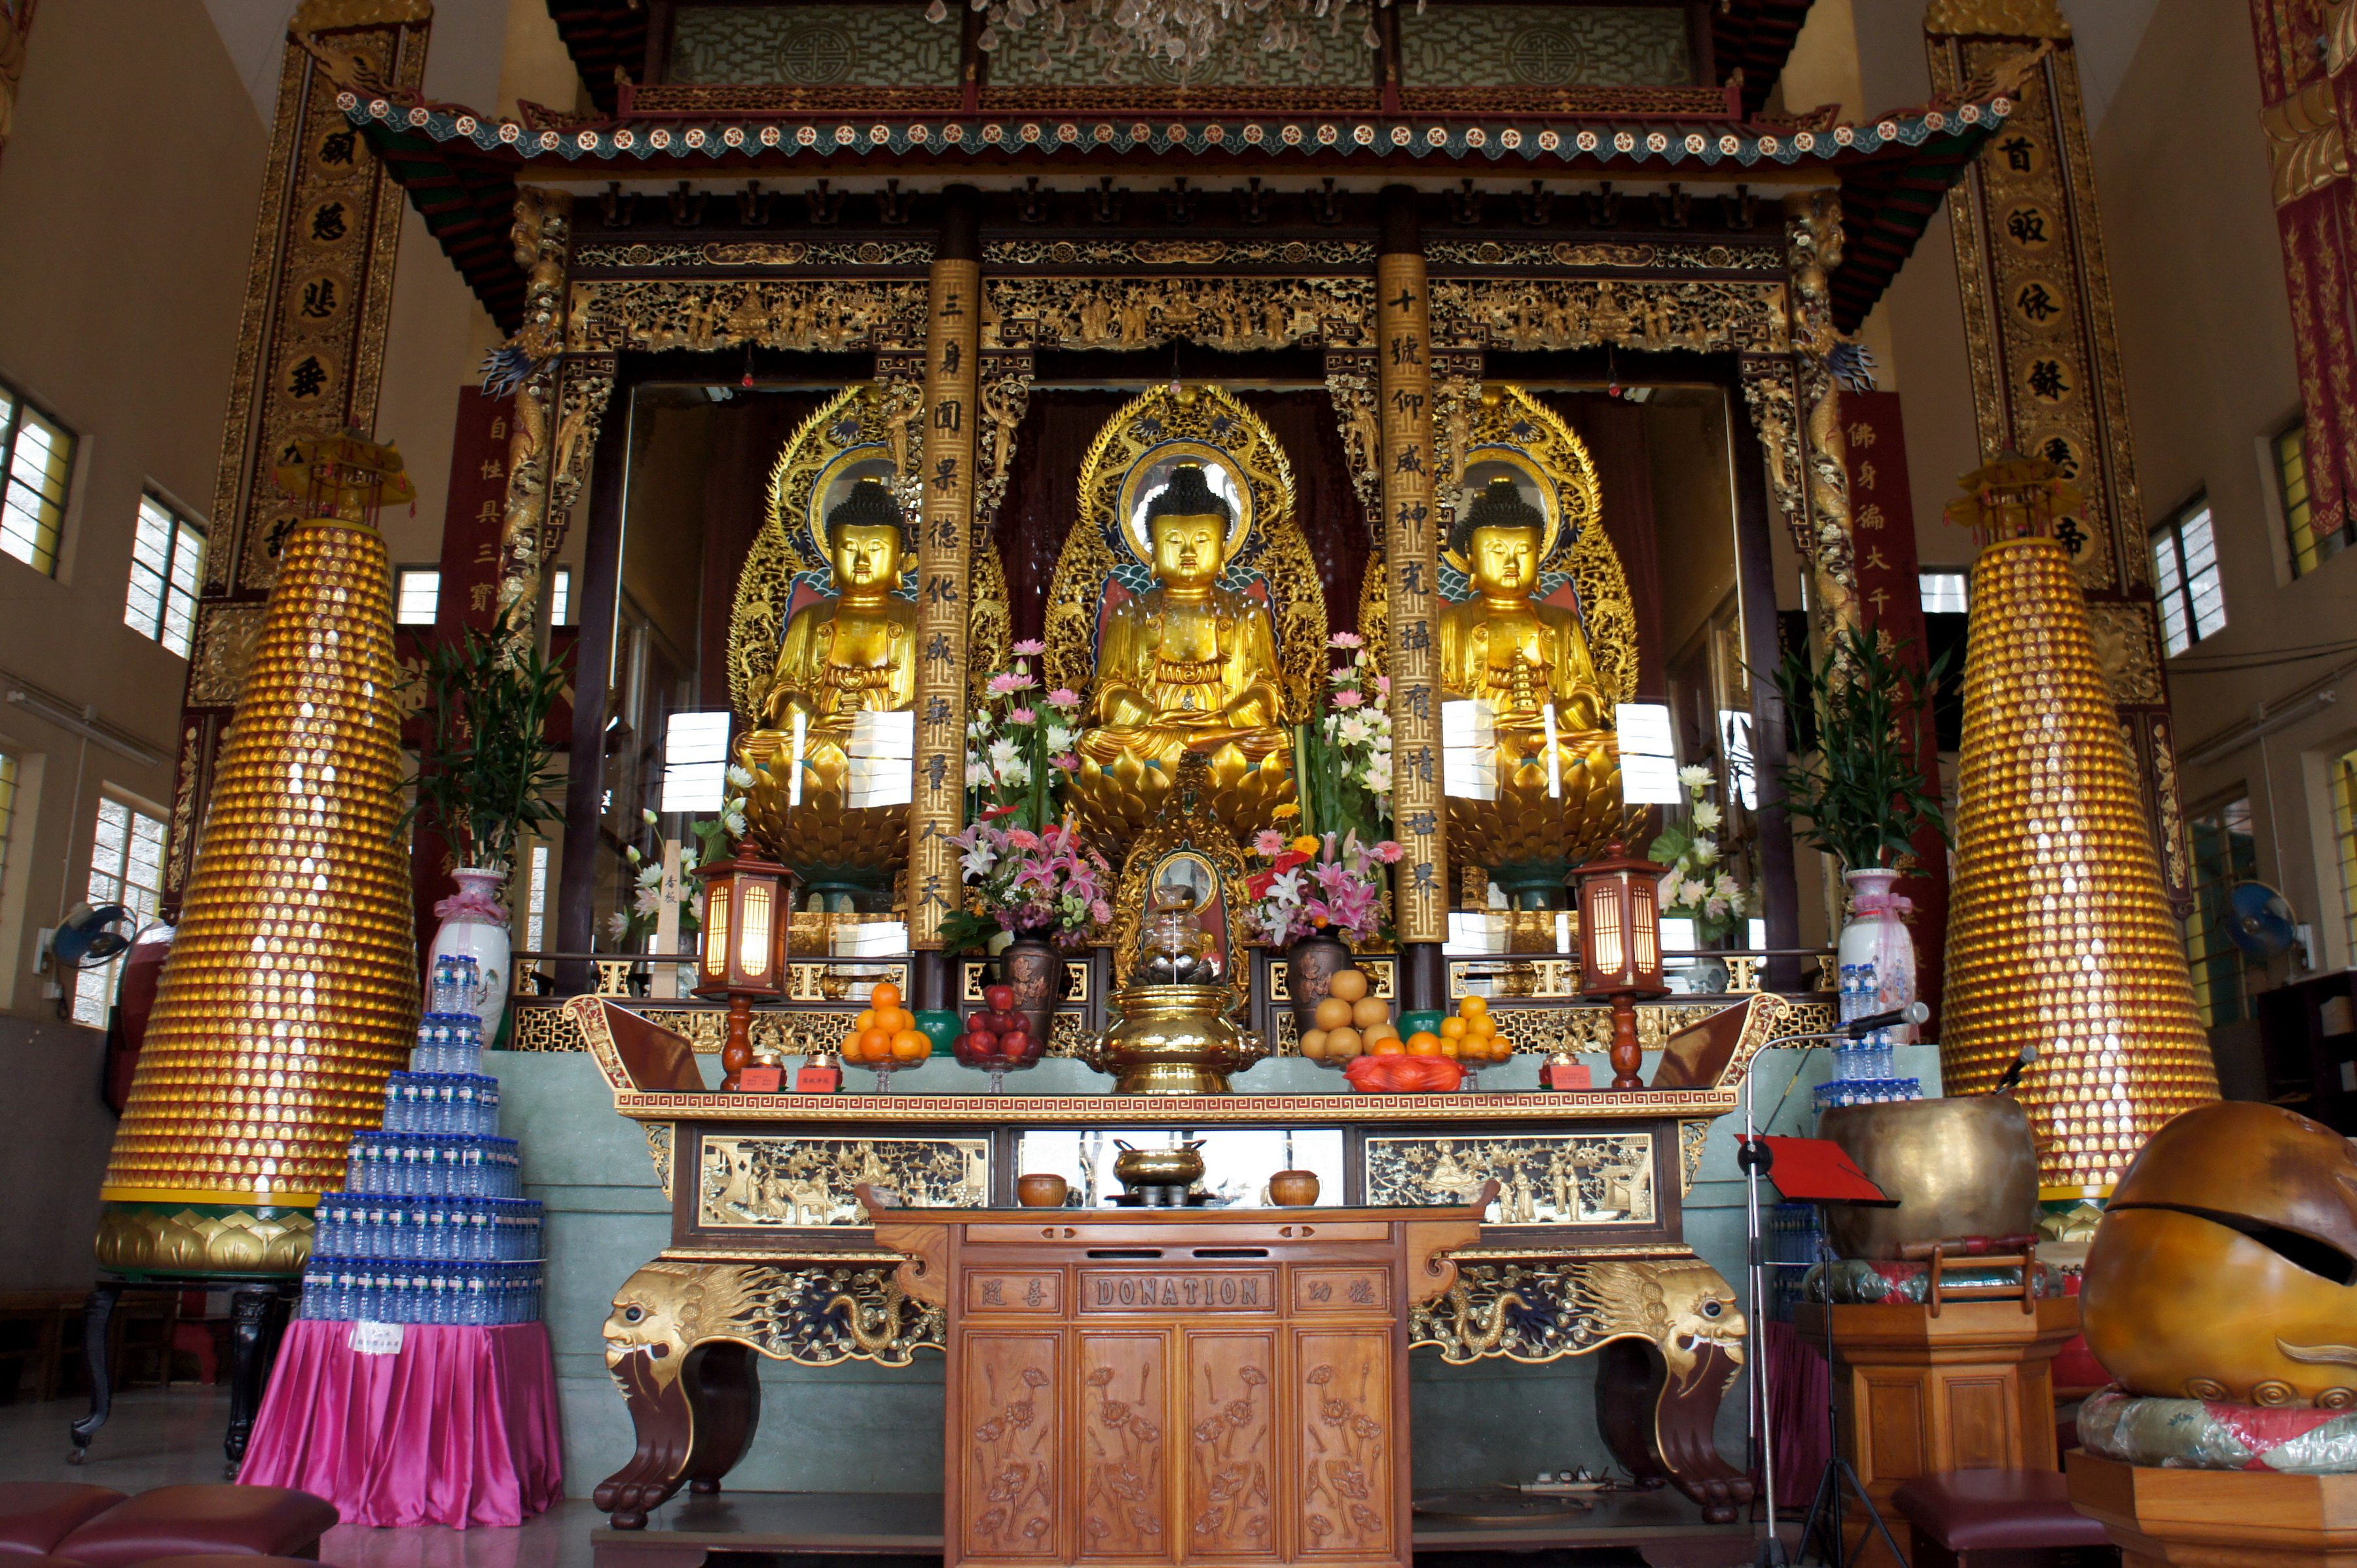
column 1820, row 1171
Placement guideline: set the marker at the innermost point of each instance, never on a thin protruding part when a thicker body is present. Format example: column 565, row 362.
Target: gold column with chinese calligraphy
column 2044, row 351
column 310, row 350
column 1403, row 393
column 952, row 344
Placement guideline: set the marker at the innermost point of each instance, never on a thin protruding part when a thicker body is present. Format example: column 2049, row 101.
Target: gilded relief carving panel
column 1571, row 1179
column 769, row 1180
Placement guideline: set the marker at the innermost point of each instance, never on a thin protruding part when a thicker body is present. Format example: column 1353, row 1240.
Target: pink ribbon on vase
column 472, row 904
column 1874, row 903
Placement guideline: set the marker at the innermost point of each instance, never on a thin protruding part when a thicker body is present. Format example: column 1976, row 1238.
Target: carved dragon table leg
column 1669, row 1340
column 659, row 1413
column 694, row 1399
column 1657, row 1395
column 682, row 1343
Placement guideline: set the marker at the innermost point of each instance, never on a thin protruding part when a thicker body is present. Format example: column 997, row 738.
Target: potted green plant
column 483, row 778
column 1864, row 796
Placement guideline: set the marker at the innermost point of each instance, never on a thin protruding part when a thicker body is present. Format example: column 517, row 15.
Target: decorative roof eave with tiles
column 461, row 168
column 1394, row 141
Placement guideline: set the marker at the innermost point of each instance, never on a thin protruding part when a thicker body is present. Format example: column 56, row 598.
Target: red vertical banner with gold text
column 1890, row 603
column 471, row 526
column 468, row 598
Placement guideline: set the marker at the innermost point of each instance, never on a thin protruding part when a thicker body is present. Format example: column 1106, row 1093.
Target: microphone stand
column 1758, row 1161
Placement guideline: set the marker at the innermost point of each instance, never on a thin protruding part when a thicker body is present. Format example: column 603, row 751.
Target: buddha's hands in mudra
column 1180, row 732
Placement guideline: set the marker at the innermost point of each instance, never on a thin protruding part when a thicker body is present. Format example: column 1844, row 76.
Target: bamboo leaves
column 1863, row 795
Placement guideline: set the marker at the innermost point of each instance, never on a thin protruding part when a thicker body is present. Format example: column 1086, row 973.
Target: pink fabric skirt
column 458, row 1428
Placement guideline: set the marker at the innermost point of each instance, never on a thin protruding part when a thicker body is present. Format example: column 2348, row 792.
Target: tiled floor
column 159, row 1439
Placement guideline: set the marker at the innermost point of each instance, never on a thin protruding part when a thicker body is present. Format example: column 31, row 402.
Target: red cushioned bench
column 198, row 1526
column 1963, row 1517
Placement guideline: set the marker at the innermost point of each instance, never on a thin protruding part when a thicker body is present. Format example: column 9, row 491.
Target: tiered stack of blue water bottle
column 1863, row 1073
column 433, row 1227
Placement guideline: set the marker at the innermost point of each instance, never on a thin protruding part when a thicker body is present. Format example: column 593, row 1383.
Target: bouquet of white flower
column 1696, row 886
column 636, row 923
column 1345, row 767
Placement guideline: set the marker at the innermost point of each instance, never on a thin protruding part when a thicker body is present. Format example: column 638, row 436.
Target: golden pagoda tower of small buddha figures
column 291, row 991
column 2058, row 933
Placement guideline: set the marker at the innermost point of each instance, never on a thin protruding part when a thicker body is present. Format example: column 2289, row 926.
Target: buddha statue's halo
column 868, row 504
column 1498, row 478
column 1185, row 478
column 855, row 486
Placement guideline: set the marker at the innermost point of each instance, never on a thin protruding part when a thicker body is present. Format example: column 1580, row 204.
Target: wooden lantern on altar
column 1620, row 947
column 747, row 907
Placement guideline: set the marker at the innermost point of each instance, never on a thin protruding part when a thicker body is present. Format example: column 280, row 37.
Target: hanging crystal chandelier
column 1183, row 32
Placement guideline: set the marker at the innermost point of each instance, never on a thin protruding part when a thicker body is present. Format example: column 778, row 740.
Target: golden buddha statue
column 1501, row 647
column 1186, row 666
column 851, row 654
column 1558, row 770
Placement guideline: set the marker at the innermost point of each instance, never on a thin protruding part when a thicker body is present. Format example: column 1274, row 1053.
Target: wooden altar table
column 1155, row 1386
column 772, row 1255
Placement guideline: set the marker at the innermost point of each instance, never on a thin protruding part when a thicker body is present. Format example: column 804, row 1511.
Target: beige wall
column 127, row 192
column 2205, row 338
column 2205, row 335
column 122, row 286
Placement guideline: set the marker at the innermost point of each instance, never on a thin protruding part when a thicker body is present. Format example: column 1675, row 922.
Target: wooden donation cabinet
column 1148, row 1385
column 1163, row 1386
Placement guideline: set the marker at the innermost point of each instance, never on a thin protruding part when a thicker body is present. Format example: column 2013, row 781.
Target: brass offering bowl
column 1179, row 1166
column 1175, row 1039
column 1962, row 1166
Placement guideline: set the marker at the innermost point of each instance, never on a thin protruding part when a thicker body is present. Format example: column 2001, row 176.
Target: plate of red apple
column 1000, row 1039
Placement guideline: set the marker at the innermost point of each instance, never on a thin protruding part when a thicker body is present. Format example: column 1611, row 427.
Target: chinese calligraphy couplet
column 953, row 320
column 1403, row 362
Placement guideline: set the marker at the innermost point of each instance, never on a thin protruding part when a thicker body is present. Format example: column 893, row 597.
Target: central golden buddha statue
column 1559, row 769
column 851, row 654
column 1186, row 666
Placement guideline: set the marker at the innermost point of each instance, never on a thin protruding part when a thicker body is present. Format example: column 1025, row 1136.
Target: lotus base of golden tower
column 227, row 1238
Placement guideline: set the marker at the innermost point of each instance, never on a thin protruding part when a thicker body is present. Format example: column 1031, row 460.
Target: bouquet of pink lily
column 1019, row 743
column 1333, row 884
column 1044, row 884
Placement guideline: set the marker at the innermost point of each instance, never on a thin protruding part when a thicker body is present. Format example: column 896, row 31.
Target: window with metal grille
column 2185, row 577
column 2224, row 854
column 168, row 563
column 7, row 800
column 2314, row 540
column 560, row 597
column 417, row 596
column 126, row 867
column 39, row 462
column 1946, row 591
